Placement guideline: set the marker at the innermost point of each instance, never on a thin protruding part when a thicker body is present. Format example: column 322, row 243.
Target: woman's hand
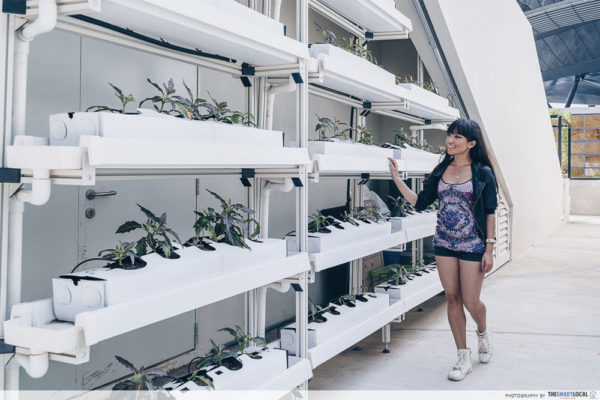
column 487, row 262
column 394, row 168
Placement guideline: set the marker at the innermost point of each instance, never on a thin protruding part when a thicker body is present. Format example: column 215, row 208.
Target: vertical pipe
column 559, row 135
column 302, row 192
column 569, row 154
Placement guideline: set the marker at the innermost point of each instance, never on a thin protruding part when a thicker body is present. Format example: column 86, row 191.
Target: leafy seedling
column 348, row 218
column 165, row 98
column 332, row 126
column 327, row 36
column 319, row 223
column 218, row 111
column 244, row 340
column 158, row 237
column 221, row 357
column 364, row 135
column 231, row 226
column 142, row 378
column 123, row 256
column 352, row 46
column 122, row 98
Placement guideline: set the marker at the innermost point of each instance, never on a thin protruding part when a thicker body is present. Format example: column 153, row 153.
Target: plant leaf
column 126, row 363
column 148, row 213
column 128, row 227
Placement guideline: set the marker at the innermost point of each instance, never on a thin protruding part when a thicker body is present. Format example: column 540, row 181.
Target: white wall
column 491, row 52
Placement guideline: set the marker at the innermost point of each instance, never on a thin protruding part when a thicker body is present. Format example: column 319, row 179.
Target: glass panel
column 592, row 120
column 577, row 134
column 591, row 134
column 576, row 120
column 592, row 147
column 577, row 148
column 577, row 161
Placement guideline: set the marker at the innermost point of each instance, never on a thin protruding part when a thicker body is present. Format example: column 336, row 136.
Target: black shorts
column 461, row 255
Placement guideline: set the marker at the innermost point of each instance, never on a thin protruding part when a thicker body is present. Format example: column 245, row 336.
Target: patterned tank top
column 456, row 227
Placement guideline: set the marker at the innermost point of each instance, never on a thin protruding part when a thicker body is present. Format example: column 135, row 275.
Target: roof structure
column 567, row 36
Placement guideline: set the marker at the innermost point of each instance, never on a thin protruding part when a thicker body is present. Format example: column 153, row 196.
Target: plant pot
column 348, row 73
column 67, row 128
column 348, row 317
column 102, row 287
column 320, row 242
column 253, row 373
column 233, row 257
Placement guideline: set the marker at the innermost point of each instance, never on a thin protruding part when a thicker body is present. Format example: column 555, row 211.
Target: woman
column 464, row 239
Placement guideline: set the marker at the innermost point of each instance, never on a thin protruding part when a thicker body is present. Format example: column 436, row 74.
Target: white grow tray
column 425, row 104
column 339, row 157
column 416, row 226
column 103, row 287
column 411, row 288
column 222, row 27
column 319, row 333
column 417, row 161
column 67, row 128
column 323, row 242
column 377, row 16
column 343, row 71
column 116, row 153
column 45, row 333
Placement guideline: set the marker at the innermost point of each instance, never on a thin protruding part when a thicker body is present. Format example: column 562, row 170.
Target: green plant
column 122, row 98
column 218, row 111
column 346, row 299
column 334, row 126
column 198, row 376
column 352, row 46
column 563, row 137
column 319, row 223
column 427, row 85
column 364, row 135
column 400, row 207
column 189, row 107
column 398, row 273
column 327, row 36
column 142, row 378
column 348, row 218
column 158, row 237
column 120, row 254
column 369, row 212
column 244, row 340
column 401, row 138
column 231, row 226
column 166, row 97
column 218, row 354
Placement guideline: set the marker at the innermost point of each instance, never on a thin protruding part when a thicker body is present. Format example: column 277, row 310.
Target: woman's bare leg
column 449, row 276
column 471, row 279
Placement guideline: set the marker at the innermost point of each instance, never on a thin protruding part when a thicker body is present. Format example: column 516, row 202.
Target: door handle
column 91, row 194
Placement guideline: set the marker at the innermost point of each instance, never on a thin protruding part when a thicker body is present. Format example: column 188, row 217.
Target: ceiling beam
column 569, row 70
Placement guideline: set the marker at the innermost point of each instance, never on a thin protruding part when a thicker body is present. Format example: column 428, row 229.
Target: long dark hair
column 471, row 131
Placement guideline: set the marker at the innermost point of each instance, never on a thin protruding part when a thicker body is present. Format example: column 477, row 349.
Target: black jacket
column 484, row 190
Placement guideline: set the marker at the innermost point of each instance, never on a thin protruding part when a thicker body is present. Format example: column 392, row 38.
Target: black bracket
column 366, row 108
column 247, row 69
column 245, row 81
column 369, row 35
column 366, row 42
column 14, row 6
column 297, row 77
column 10, row 175
column 297, row 287
column 6, row 348
column 247, row 173
column 427, row 122
column 297, row 182
column 364, row 178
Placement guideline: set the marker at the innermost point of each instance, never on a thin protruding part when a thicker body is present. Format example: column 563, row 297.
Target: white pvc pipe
column 276, row 7
column 45, row 22
column 36, row 365
column 285, row 186
column 282, row 287
column 271, row 92
column 40, row 189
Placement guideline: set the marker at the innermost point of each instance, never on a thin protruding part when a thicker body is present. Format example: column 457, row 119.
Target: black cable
column 89, row 259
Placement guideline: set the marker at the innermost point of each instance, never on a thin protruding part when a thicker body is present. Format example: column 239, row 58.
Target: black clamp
column 366, row 108
column 297, row 287
column 297, row 77
column 247, row 70
column 369, row 35
column 14, row 7
column 297, row 182
column 364, row 178
column 10, row 175
column 427, row 122
column 247, row 173
column 6, row 348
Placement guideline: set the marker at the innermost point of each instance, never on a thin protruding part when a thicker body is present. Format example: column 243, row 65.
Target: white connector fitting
column 271, row 92
column 36, row 365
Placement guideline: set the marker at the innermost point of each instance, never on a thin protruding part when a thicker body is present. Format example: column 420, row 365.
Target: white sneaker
column 462, row 367
column 485, row 347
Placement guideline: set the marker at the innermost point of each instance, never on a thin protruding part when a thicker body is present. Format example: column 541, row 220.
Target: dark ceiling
column 567, row 36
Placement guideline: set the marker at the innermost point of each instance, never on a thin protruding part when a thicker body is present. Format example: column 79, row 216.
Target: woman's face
column 458, row 144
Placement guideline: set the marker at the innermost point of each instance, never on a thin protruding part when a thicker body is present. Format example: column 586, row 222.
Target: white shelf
column 425, row 104
column 356, row 250
column 334, row 346
column 222, row 27
column 377, row 16
column 342, row 71
column 32, row 326
column 104, row 156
